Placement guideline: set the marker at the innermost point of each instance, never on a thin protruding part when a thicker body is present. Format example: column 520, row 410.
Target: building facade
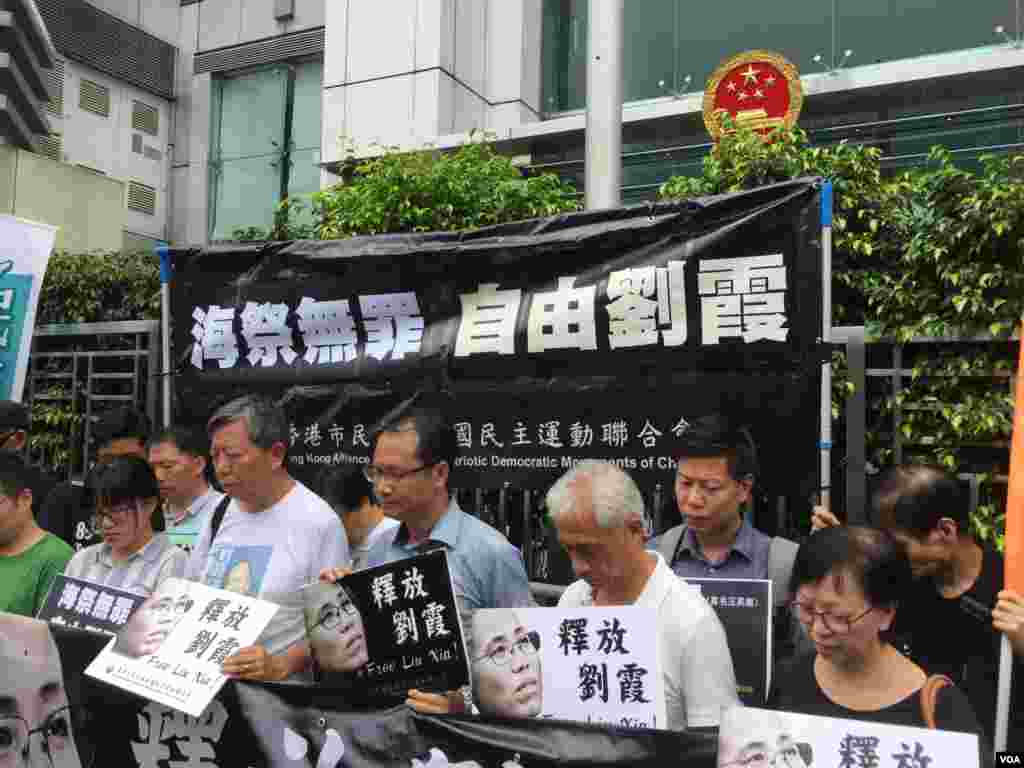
column 212, row 111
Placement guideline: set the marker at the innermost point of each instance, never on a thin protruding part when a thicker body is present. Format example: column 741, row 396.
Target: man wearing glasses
column 35, row 722
column 413, row 453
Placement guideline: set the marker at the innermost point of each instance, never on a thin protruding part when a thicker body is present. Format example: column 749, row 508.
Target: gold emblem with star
column 758, row 88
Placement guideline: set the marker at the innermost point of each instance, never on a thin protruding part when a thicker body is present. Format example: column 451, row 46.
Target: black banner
column 592, row 335
column 272, row 725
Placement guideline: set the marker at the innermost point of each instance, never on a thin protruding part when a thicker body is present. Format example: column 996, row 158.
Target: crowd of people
column 899, row 622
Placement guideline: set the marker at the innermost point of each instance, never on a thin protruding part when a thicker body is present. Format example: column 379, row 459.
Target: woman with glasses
column 126, row 498
column 847, row 584
column 35, row 722
column 335, row 628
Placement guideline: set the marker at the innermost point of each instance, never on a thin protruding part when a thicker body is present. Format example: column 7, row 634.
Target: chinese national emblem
column 759, row 89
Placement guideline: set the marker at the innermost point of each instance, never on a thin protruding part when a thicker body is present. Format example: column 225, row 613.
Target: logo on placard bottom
column 1009, row 758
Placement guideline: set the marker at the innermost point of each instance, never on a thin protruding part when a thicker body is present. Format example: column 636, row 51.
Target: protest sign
column 744, row 606
column 82, row 604
column 750, row 736
column 384, row 630
column 25, row 248
column 595, row 665
column 172, row 649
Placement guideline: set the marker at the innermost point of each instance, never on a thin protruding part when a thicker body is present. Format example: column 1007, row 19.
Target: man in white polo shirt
column 598, row 511
column 274, row 537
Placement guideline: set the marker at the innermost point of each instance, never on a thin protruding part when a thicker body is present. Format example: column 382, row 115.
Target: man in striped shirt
column 132, row 556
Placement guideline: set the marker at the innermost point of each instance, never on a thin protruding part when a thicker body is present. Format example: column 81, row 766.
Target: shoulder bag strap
column 929, row 697
column 218, row 517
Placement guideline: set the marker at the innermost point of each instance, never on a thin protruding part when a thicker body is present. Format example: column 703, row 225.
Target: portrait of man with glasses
column 506, row 665
column 35, row 720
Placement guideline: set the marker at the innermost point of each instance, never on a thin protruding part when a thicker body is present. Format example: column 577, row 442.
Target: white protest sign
column 171, row 649
column 750, row 737
column 25, row 248
column 596, row 665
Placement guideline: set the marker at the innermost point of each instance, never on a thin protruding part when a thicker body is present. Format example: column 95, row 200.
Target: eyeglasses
column 502, row 655
column 376, row 474
column 331, row 615
column 113, row 514
column 837, row 624
column 16, row 736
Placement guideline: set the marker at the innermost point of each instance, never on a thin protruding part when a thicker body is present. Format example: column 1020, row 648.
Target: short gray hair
column 266, row 421
column 614, row 498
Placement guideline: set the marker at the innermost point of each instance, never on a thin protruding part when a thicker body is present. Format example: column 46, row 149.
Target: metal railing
column 90, row 368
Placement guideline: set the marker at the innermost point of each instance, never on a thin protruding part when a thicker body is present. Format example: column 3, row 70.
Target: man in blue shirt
column 717, row 465
column 413, row 452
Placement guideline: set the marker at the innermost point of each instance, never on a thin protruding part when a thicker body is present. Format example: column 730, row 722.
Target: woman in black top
column 847, row 582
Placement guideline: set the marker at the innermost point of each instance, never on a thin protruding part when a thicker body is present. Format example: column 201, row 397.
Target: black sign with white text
column 82, row 604
column 382, row 631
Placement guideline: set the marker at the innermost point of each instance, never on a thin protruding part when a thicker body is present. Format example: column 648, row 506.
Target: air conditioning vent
column 145, row 118
column 93, row 97
column 141, row 198
column 51, row 146
column 55, row 85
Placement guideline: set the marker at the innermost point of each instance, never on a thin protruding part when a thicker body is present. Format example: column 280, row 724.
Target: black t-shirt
column 955, row 637
column 795, row 689
column 66, row 514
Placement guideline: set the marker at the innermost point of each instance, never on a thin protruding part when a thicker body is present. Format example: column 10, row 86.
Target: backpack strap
column 930, row 695
column 218, row 517
column 669, row 543
column 781, row 555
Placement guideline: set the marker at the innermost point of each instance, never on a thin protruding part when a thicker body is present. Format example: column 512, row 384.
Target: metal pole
column 604, row 104
column 165, row 329
column 1003, row 693
column 826, row 336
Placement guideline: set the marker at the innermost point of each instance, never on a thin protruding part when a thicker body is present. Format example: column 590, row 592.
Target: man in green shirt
column 30, row 557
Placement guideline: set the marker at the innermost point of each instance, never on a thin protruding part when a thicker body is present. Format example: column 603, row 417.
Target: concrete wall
column 405, row 72
column 88, row 208
column 105, row 143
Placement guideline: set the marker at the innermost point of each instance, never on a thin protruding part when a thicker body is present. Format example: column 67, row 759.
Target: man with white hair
column 598, row 512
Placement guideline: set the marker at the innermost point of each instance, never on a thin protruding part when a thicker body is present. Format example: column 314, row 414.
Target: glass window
column 265, row 143
column 667, row 41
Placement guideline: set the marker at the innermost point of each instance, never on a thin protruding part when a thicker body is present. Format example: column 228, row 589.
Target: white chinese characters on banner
column 266, row 332
column 393, row 324
column 562, row 319
column 647, row 302
column 328, row 329
column 214, row 336
column 488, row 321
column 743, row 298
